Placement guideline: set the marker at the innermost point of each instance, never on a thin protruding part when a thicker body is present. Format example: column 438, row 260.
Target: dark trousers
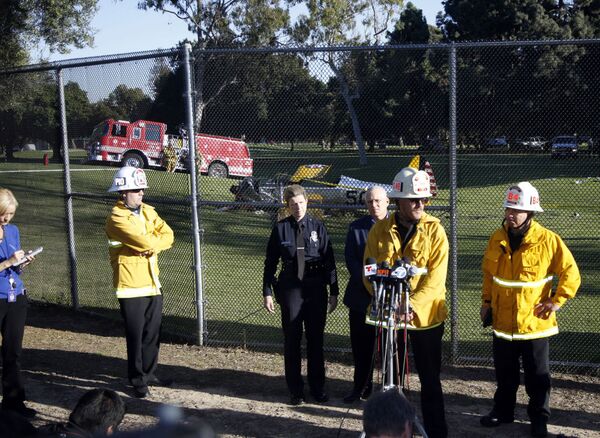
column 303, row 307
column 535, row 356
column 427, row 352
column 142, row 317
column 12, row 327
column 362, row 339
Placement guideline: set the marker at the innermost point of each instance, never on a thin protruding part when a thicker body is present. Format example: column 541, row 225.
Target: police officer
column 357, row 298
column 136, row 235
column 412, row 234
column 520, row 262
column 302, row 244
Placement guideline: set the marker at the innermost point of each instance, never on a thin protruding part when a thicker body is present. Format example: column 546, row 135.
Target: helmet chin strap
column 524, row 227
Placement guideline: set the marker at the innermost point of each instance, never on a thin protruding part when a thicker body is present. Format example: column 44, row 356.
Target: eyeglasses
column 423, row 201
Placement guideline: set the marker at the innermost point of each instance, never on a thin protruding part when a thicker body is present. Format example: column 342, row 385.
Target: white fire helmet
column 410, row 183
column 128, row 178
column 523, row 196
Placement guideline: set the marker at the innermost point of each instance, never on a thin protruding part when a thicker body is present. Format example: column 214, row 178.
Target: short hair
column 371, row 189
column 7, row 199
column 386, row 413
column 293, row 190
column 97, row 410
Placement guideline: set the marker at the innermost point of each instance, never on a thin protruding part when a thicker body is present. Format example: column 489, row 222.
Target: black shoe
column 21, row 409
column 140, row 391
column 352, row 397
column 320, row 397
column 366, row 393
column 153, row 380
column 297, row 400
column 539, row 426
column 494, row 420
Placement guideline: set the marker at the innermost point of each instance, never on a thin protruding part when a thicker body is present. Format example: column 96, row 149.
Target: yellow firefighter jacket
column 129, row 235
column 513, row 283
column 428, row 251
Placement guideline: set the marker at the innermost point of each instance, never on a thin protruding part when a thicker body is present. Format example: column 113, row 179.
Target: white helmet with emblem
column 523, row 196
column 410, row 183
column 129, row 178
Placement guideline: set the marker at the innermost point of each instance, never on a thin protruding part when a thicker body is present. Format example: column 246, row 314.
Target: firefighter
column 519, row 264
column 415, row 235
column 308, row 266
column 357, row 298
column 136, row 235
column 169, row 158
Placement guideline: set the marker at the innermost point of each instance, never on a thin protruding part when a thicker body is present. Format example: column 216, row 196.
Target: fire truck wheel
column 218, row 170
column 133, row 160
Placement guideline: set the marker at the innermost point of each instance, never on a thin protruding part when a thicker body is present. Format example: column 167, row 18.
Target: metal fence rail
column 482, row 115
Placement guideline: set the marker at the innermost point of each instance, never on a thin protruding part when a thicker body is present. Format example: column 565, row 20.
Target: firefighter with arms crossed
column 302, row 244
column 412, row 234
column 136, row 234
column 519, row 264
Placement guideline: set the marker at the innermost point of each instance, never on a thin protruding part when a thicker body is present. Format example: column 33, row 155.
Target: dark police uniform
column 357, row 299
column 303, row 301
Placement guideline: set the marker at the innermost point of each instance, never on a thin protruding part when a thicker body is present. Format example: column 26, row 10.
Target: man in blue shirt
column 357, row 298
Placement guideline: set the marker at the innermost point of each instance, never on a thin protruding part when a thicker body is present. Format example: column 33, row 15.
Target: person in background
column 415, row 236
column 13, row 307
column 99, row 412
column 136, row 235
column 388, row 414
column 519, row 265
column 302, row 244
column 357, row 297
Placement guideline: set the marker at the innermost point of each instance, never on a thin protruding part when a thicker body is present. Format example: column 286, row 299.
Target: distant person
column 519, row 265
column 357, row 298
column 99, row 412
column 136, row 235
column 414, row 235
column 13, row 307
column 302, row 244
column 388, row 414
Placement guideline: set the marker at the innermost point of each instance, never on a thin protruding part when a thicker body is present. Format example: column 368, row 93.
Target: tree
column 337, row 23
column 221, row 24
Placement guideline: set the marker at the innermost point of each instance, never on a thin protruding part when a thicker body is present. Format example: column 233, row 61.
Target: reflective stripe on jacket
column 428, row 251
column 136, row 275
column 515, row 282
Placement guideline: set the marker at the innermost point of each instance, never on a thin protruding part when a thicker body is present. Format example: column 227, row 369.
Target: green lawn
column 233, row 240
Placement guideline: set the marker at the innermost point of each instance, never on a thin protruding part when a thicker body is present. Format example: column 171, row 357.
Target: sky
column 123, row 28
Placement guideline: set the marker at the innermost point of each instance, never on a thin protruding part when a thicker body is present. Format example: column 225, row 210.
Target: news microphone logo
column 370, row 268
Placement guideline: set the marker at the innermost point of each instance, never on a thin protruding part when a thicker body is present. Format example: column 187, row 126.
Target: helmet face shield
column 410, row 183
column 129, row 178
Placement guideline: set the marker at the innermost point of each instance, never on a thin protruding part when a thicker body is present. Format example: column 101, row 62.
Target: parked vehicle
column 143, row 143
column 498, row 143
column 564, row 146
column 433, row 145
column 531, row 144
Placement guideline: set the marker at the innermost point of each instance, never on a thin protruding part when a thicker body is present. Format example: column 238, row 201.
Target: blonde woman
column 13, row 308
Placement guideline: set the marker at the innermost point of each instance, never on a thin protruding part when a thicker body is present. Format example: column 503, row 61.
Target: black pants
column 142, row 317
column 535, row 356
column 362, row 339
column 12, row 327
column 427, row 352
column 303, row 307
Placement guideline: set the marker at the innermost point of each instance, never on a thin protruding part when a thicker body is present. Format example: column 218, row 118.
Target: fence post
column 453, row 262
column 186, row 49
column 67, row 189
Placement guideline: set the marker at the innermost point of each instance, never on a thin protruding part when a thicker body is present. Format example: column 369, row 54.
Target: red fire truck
column 144, row 144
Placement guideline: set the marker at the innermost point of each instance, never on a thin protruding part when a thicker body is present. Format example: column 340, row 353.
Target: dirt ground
column 242, row 393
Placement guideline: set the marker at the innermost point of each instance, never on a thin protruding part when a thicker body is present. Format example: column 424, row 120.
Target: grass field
column 233, row 240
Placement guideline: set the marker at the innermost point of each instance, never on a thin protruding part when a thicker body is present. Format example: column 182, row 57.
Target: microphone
column 370, row 272
column 399, row 271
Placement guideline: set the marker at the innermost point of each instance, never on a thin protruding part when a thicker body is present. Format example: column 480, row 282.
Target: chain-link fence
column 483, row 116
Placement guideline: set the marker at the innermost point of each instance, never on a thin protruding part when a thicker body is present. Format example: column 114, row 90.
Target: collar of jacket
column 531, row 237
column 394, row 235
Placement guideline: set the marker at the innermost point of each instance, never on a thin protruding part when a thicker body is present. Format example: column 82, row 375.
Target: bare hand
column 406, row 317
column 544, row 309
column 17, row 255
column 268, row 304
column 483, row 312
column 333, row 302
